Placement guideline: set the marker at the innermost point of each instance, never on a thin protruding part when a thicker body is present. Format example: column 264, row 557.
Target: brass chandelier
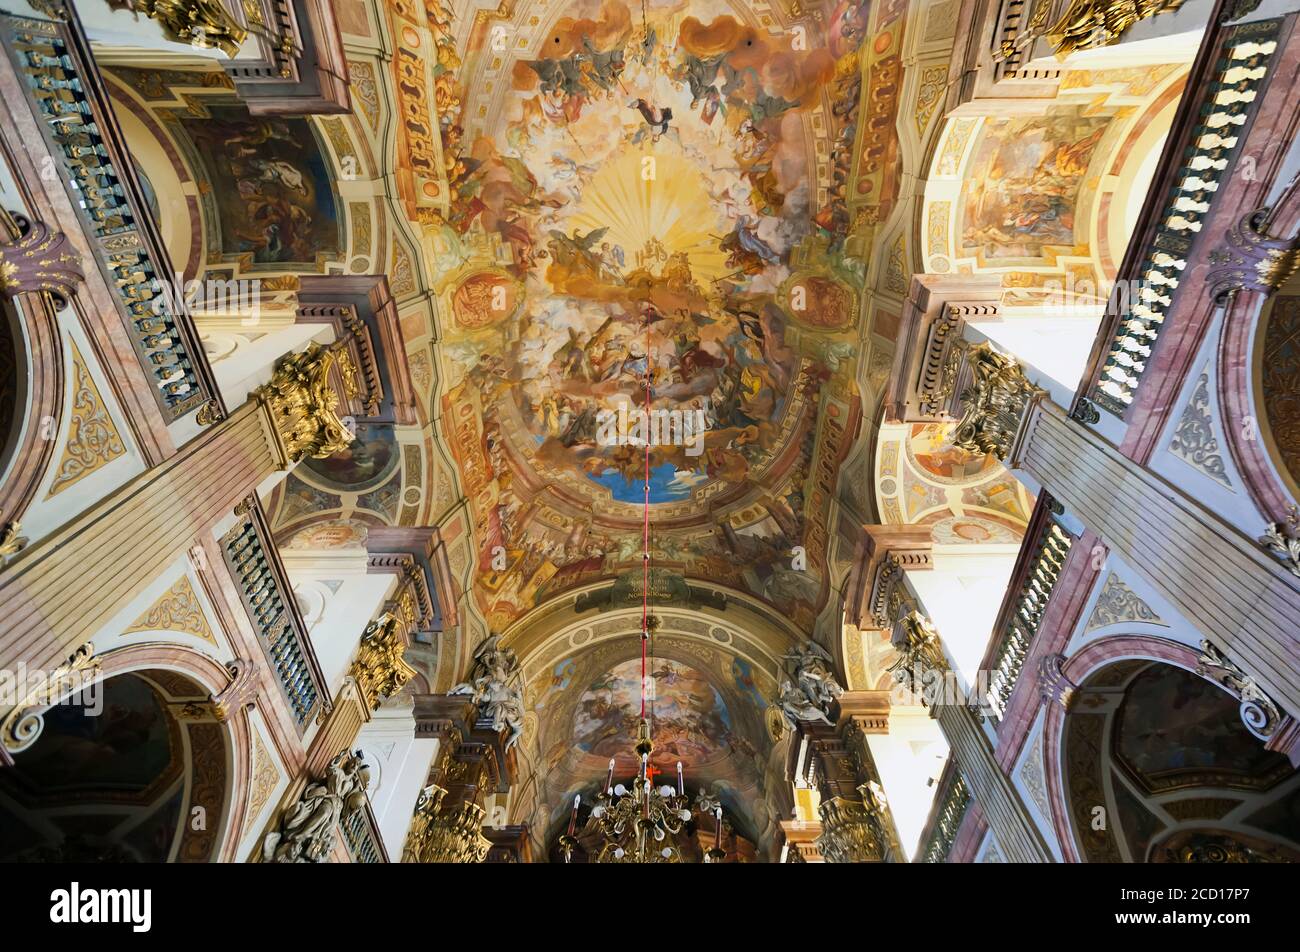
column 638, row 821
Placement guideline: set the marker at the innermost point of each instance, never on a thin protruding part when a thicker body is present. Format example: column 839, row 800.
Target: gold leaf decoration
column 265, row 778
column 177, row 609
column 93, row 440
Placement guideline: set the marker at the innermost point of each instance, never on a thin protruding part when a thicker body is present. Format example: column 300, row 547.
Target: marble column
column 1241, row 598
column 924, row 668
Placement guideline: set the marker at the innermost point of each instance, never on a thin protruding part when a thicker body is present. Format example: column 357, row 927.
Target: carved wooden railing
column 1215, row 116
column 89, row 156
column 1037, row 569
column 268, row 598
column 945, row 817
column 361, row 836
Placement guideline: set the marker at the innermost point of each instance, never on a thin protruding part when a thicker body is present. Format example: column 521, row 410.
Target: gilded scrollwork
column 1088, row 23
column 380, row 667
column 93, row 439
column 202, row 23
column 177, row 609
column 995, row 404
column 303, row 403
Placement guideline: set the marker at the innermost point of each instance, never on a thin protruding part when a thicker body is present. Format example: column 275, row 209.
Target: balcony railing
column 361, row 835
column 68, row 98
column 1037, row 570
column 1148, row 285
column 945, row 819
column 268, row 598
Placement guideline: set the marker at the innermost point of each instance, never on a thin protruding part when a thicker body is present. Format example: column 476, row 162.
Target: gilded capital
column 851, row 832
column 380, row 668
column 303, row 403
column 1089, row 23
column 420, row 838
column 919, row 651
column 453, row 835
column 995, row 404
column 202, row 23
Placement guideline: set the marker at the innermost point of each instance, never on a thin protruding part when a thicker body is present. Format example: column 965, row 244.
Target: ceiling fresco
column 707, row 707
column 922, row 479
column 653, row 218
column 1043, row 199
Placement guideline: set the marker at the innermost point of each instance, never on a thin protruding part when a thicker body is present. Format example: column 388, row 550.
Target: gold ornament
column 303, row 402
column 201, row 23
column 995, row 404
column 380, row 669
column 1089, row 23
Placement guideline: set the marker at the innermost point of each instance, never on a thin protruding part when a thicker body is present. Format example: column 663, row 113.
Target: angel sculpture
column 814, row 674
column 306, row 833
column 495, row 685
column 796, row 707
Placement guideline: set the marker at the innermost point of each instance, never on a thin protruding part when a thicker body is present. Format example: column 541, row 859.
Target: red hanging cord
column 645, row 540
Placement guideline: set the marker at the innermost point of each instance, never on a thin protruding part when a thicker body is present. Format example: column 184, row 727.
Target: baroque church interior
column 649, row 431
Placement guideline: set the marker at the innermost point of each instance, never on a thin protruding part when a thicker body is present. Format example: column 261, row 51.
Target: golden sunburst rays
column 654, row 195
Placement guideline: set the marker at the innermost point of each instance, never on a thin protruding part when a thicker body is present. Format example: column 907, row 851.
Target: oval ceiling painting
column 658, row 182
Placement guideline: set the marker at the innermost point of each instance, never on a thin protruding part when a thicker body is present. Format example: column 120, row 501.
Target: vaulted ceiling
column 658, row 185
